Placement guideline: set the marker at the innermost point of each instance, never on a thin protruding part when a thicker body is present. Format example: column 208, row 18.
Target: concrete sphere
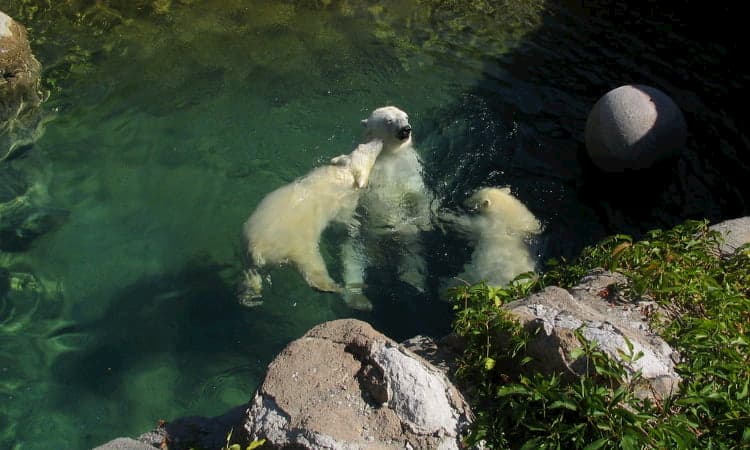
column 633, row 127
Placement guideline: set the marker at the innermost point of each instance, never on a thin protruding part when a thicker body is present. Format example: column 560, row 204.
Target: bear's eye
column 389, row 121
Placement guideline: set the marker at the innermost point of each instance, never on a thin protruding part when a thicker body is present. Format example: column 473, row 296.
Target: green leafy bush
column 708, row 317
column 255, row 444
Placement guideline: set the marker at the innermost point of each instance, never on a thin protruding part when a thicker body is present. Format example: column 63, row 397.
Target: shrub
column 707, row 299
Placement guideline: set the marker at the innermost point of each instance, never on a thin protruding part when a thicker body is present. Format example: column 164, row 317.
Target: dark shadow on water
column 523, row 124
column 401, row 311
column 188, row 317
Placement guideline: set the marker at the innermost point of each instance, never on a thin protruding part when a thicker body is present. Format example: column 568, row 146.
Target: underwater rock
column 598, row 308
column 344, row 385
column 634, row 127
column 736, row 233
column 22, row 285
column 23, row 214
column 21, row 120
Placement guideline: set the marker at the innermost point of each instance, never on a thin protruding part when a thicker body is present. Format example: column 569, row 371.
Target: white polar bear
column 500, row 231
column 286, row 226
column 395, row 208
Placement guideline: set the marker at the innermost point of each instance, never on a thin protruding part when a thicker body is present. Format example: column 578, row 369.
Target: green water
column 171, row 122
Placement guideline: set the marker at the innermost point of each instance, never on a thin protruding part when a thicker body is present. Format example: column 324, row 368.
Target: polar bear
column 500, row 229
column 394, row 209
column 286, row 226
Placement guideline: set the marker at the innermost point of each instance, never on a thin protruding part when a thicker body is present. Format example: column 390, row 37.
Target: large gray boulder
column 343, row 386
column 736, row 233
column 598, row 308
column 21, row 121
column 634, row 127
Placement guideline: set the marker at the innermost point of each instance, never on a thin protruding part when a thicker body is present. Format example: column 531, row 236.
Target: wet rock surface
column 21, row 121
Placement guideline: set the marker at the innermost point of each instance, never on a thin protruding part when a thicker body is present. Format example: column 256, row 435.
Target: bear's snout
column 404, row 132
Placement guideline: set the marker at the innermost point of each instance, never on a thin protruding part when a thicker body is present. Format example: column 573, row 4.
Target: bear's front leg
column 313, row 270
column 412, row 267
column 250, row 288
column 354, row 261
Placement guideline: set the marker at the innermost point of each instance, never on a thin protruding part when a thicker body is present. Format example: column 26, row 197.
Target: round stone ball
column 633, row 127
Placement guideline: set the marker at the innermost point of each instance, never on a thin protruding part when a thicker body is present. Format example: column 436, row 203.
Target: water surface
column 173, row 119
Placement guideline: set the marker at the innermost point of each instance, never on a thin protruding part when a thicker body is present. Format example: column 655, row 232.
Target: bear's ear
column 341, row 160
column 364, row 122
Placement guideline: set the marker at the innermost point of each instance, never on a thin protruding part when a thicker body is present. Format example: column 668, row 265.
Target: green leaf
column 531, row 444
column 743, row 394
column 489, row 363
column 628, row 442
column 577, row 353
column 567, row 404
column 599, row 443
column 512, row 389
column 256, row 443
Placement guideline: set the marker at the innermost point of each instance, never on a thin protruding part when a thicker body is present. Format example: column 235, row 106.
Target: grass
column 708, row 304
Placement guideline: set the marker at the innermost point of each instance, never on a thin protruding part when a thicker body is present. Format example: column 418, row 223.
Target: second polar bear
column 395, row 208
column 287, row 224
column 500, row 230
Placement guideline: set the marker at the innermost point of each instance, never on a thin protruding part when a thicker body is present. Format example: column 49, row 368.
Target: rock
column 185, row 433
column 21, row 285
column 634, row 127
column 736, row 233
column 21, row 121
column 442, row 353
column 23, row 211
column 343, row 385
column 125, row 444
column 598, row 308
column 195, row 432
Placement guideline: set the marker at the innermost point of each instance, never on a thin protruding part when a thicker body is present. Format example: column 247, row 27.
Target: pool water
column 171, row 120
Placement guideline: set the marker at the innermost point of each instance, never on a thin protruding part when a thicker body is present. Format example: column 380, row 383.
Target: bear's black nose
column 404, row 132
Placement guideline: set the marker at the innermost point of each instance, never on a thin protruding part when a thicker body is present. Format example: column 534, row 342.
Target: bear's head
column 500, row 203
column 360, row 161
column 389, row 124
